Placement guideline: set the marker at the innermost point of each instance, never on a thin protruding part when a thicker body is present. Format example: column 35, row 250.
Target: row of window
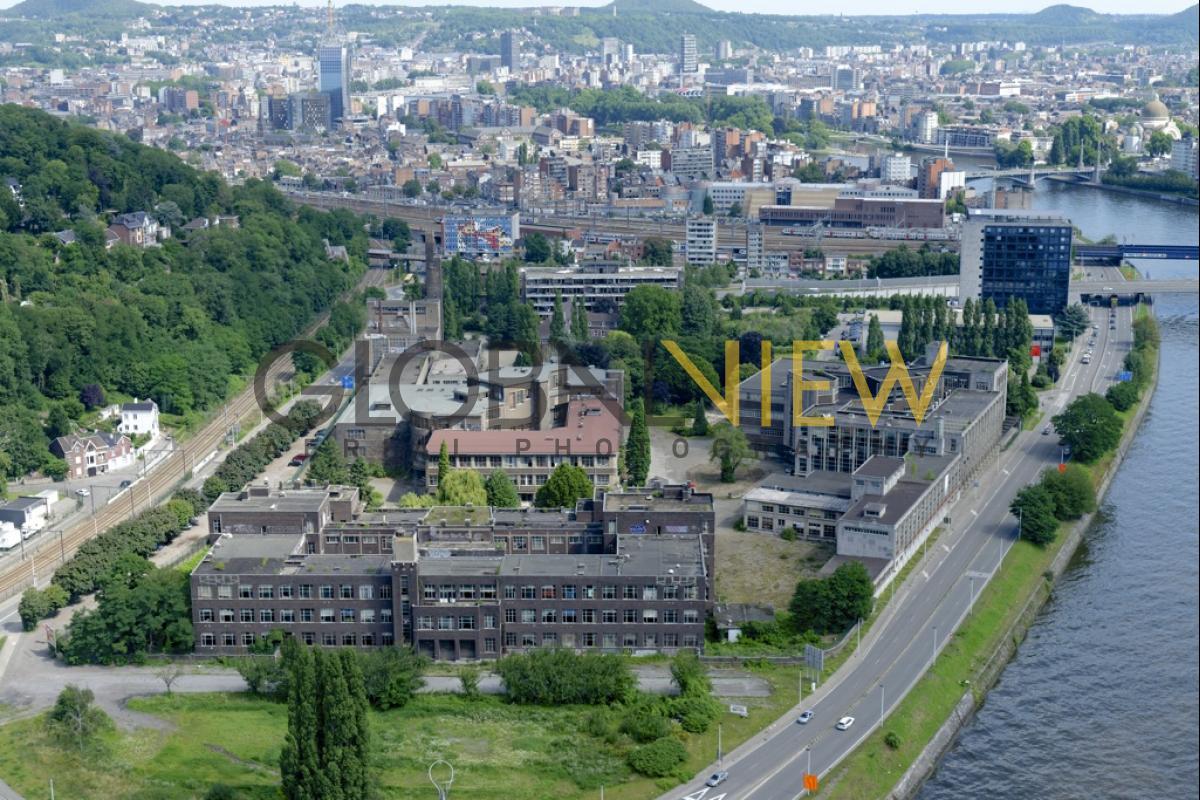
column 248, row 639
column 289, row 615
column 567, row 616
column 607, row 641
column 449, row 592
column 305, row 591
column 517, row 462
column 770, row 508
column 525, row 479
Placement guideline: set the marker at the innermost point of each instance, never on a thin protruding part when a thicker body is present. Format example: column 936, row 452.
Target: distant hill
column 657, row 6
column 44, row 9
column 1189, row 16
column 1065, row 15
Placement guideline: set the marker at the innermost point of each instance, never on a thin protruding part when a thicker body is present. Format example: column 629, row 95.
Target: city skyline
column 781, row 7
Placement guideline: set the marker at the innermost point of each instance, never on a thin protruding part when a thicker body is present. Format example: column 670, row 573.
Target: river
column 1101, row 700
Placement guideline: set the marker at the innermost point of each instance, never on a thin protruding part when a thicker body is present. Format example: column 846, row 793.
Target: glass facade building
column 333, row 68
column 1032, row 262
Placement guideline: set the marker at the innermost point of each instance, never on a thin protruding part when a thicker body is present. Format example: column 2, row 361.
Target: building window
column 228, row 640
column 589, row 616
column 528, row 616
column 348, row 615
column 609, row 616
column 306, row 591
column 206, row 615
column 528, row 592
column 326, row 592
column 367, row 616
column 326, row 615
column 225, row 592
column 690, row 616
column 285, row 592
column 570, row 592
column 608, row 593
column 489, row 645
column 548, row 592
column 208, row 640
column 329, row 639
column 570, row 616
column 649, row 616
column 266, row 592
column 366, row 592
column 510, row 592
column 385, row 616
column 266, row 615
column 287, row 615
column 629, row 592
column 246, row 615
column 204, row 592
column 424, row 623
column 489, row 621
column 247, row 639
column 346, row 591
column 245, row 592
column 629, row 616
column 466, row 623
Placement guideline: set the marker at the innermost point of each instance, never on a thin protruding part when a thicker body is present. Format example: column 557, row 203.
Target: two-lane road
column 927, row 609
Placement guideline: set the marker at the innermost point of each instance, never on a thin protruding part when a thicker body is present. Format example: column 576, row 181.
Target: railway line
column 54, row 546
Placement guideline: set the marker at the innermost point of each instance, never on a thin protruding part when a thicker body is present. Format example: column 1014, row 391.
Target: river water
column 1101, row 700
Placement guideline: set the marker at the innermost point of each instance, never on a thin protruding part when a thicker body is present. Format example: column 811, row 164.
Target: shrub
column 1122, row 395
column 695, row 711
column 892, row 740
column 561, row 677
column 644, row 723
column 37, row 604
column 788, row 534
column 659, row 758
column 468, row 675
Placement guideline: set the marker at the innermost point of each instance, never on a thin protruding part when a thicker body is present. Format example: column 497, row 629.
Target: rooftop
column 591, row 429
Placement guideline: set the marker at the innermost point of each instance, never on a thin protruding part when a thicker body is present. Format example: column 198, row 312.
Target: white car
column 844, row 723
column 84, row 492
column 805, row 717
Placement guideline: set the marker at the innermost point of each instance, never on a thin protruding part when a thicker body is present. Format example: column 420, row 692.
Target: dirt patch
column 761, row 568
column 216, row 748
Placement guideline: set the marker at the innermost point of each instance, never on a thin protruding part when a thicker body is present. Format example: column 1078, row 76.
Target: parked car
column 84, row 492
column 717, row 778
column 804, row 717
column 844, row 723
column 125, row 484
column 298, row 460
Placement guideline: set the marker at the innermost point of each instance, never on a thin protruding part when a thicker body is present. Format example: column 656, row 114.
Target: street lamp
column 443, row 787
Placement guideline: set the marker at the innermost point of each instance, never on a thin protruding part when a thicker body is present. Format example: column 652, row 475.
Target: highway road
column 44, row 553
column 925, row 611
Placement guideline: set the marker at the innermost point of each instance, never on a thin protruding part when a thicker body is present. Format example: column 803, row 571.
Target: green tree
column 537, row 248
column 461, row 487
column 1089, row 426
column 580, row 333
column 1072, row 491
column 557, row 676
column 699, row 420
column 1073, row 320
column 637, row 447
column 651, row 313
column 708, row 205
column 1034, row 507
column 558, row 323
column 391, row 676
column 1122, row 396
column 75, row 718
column 659, row 758
column 328, row 465
column 38, row 604
column 299, row 759
column 730, row 448
column 501, row 493
column 1159, row 144
column 412, row 188
column 657, row 251
column 876, row 347
column 566, row 484
column 443, row 460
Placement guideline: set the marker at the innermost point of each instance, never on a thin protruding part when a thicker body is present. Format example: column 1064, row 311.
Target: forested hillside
column 79, row 322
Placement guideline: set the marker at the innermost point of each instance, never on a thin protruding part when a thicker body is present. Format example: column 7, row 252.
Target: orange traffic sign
column 811, row 782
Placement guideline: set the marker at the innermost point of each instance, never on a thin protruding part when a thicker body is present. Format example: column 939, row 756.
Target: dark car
column 126, row 484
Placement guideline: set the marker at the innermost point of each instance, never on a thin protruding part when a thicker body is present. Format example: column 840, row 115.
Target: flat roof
column 591, row 429
column 880, row 467
column 250, row 554
column 651, row 499
column 637, row 555
column 293, row 501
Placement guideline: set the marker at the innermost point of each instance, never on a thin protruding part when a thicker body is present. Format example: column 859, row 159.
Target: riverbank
column 899, row 756
column 1148, row 194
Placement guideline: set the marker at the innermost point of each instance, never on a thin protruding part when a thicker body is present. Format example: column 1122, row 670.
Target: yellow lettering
column 898, row 371
column 727, row 405
column 799, row 384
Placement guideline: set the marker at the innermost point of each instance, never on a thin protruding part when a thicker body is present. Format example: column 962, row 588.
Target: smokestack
column 433, row 269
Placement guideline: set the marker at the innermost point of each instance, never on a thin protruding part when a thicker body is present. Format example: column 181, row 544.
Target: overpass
column 1116, row 253
column 948, row 286
column 1134, row 290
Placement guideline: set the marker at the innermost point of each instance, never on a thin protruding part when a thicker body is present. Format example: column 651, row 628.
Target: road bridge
column 1116, row 253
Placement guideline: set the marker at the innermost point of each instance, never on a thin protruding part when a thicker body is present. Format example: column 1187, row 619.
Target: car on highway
column 1087, row 359
column 1046, row 431
column 84, row 492
column 805, row 717
column 717, row 778
column 844, row 723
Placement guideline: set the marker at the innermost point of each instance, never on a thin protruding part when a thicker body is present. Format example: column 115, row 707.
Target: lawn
column 763, row 568
column 498, row 750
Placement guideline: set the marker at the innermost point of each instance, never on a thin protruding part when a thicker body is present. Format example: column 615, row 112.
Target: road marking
column 926, row 574
column 973, row 511
column 1006, row 472
column 944, row 547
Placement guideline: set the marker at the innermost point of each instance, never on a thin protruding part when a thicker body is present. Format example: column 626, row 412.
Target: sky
column 779, row 6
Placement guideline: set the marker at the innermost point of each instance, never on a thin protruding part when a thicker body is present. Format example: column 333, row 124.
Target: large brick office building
column 628, row 570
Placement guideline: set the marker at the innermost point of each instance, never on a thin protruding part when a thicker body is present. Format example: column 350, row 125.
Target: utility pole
column 934, row 645
column 881, row 706
column 720, row 756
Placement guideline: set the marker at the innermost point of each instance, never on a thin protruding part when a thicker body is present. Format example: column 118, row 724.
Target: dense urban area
column 632, row 401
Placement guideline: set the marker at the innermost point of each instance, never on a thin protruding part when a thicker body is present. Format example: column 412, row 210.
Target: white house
column 139, row 418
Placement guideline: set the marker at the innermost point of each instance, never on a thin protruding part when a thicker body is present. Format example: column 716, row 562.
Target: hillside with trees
column 83, row 323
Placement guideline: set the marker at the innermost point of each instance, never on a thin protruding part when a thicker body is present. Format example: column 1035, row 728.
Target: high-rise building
column 510, row 55
column 1016, row 254
column 755, row 258
column 333, row 77
column 724, row 50
column 688, row 63
column 929, row 176
column 610, row 50
column 896, row 168
column 701, row 240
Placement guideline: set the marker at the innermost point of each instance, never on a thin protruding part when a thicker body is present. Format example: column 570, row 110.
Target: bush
column 788, row 534
column 219, row 791
column 644, row 722
column 468, row 676
column 37, row 604
column 1122, row 395
column 695, row 711
column 659, row 758
column 391, row 676
column 561, row 677
column 892, row 740
column 264, row 675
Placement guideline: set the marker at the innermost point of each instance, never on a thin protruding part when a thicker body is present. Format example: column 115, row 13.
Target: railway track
column 54, row 546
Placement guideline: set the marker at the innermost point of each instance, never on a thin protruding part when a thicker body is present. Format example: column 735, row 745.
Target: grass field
column 498, row 750
column 763, row 568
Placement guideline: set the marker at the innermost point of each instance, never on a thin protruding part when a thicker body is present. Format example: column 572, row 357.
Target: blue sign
column 347, row 381
column 637, row 527
column 1125, row 376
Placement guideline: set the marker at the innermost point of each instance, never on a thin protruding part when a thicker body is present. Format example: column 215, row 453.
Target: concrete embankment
column 964, row 711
